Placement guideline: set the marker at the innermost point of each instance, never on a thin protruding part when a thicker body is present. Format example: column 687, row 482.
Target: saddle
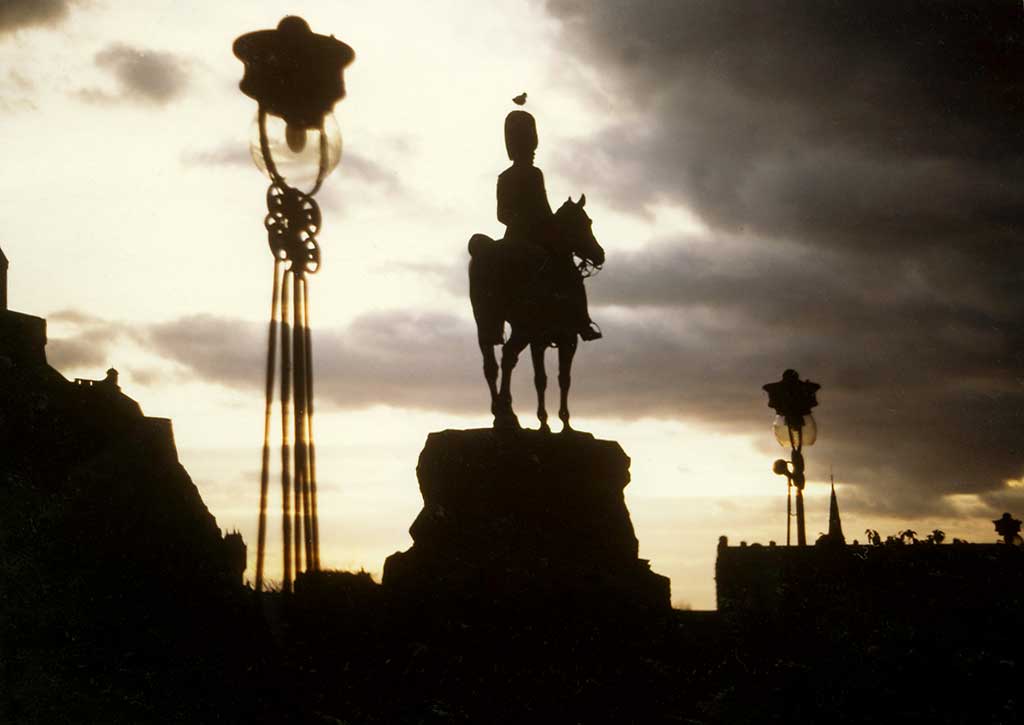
column 518, row 282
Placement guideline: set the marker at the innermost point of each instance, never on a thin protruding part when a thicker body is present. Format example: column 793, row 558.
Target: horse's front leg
column 490, row 372
column 566, row 351
column 540, row 381
column 509, row 357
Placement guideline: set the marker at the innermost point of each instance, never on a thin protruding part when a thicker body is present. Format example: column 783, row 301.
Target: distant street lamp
column 1009, row 528
column 792, row 399
column 296, row 77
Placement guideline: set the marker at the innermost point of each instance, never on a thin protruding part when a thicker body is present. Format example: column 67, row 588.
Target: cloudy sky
column 830, row 186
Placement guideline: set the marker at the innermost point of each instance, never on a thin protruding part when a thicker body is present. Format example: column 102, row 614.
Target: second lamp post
column 792, row 399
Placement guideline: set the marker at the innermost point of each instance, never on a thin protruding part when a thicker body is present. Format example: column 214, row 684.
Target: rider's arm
column 542, row 202
column 504, row 206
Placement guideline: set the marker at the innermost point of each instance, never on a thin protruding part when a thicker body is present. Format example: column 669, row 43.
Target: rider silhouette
column 524, row 210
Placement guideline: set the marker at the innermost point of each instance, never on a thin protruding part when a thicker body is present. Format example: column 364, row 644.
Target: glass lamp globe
column 295, row 151
column 803, row 436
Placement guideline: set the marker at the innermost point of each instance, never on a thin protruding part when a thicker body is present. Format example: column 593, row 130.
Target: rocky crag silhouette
column 116, row 585
column 83, row 449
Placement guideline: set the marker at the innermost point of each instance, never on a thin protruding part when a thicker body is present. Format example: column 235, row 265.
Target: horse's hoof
column 506, row 421
column 544, row 427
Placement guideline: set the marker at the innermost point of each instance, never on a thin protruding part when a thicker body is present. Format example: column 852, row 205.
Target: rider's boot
column 590, row 331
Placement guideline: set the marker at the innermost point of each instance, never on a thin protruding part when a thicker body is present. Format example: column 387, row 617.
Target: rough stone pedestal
column 523, row 518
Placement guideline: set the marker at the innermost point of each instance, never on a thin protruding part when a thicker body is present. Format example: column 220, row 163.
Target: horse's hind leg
column 566, row 351
column 509, row 357
column 540, row 381
column 490, row 372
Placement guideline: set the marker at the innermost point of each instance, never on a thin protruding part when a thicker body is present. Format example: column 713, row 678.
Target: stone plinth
column 517, row 517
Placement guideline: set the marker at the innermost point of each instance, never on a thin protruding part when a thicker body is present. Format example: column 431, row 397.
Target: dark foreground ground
column 339, row 651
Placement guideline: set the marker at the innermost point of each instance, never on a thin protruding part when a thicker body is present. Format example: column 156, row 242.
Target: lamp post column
column 296, row 76
column 798, row 483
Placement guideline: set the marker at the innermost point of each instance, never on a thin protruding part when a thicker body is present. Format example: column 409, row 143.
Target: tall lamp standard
column 296, row 77
column 792, row 399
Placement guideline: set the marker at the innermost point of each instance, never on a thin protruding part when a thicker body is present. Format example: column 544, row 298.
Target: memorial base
column 523, row 519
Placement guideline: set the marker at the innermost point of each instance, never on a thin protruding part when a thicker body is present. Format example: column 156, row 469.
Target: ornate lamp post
column 296, row 77
column 792, row 399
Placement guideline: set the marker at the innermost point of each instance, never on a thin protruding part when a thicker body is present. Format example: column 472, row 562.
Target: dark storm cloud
column 79, row 351
column 74, row 317
column 83, row 340
column 926, row 402
column 15, row 14
column 871, row 122
column 143, row 76
column 147, row 377
column 671, row 359
column 862, row 170
column 391, row 358
column 358, row 182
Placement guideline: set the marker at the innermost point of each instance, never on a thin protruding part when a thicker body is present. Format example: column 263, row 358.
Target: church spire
column 835, row 525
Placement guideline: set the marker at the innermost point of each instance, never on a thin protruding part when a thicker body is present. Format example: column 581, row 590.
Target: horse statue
column 531, row 287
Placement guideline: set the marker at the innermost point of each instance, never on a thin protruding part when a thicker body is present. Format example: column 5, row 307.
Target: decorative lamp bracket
column 292, row 222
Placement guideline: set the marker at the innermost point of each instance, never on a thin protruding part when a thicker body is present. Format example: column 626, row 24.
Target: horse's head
column 576, row 232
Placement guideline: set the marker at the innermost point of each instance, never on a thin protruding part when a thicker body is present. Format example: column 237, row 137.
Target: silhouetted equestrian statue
column 531, row 279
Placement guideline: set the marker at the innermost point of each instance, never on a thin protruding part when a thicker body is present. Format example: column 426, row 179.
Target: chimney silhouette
column 3, row 281
column 22, row 337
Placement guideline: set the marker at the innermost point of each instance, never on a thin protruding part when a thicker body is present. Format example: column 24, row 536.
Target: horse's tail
column 481, row 266
column 485, row 289
column 478, row 243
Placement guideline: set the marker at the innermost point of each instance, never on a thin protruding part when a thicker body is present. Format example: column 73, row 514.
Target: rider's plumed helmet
column 520, row 134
